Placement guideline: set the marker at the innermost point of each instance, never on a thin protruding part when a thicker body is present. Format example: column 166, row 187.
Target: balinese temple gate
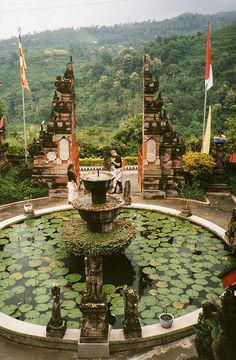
column 160, row 163
column 56, row 146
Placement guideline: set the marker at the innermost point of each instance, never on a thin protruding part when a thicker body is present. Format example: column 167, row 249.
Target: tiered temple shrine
column 3, row 146
column 56, row 146
column 161, row 148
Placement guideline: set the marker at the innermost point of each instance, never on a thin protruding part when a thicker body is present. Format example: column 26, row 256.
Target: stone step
column 218, row 188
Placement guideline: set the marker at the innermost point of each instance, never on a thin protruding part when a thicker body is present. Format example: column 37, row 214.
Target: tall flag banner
column 23, row 66
column 208, row 67
column 207, row 136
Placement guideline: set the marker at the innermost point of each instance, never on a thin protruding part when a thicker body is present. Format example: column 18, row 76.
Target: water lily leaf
column 32, row 314
column 178, row 305
column 176, row 290
column 20, row 289
column 161, row 284
column 70, row 294
column 78, row 299
column 154, row 276
column 7, row 282
column 60, row 271
column 73, row 325
column 148, row 270
column 43, row 307
column 16, row 276
column 9, row 309
column 79, row 287
column 163, row 291
column 152, row 292
column 192, row 293
column 24, row 308
column 109, row 288
column 68, row 304
column 42, row 299
column 4, row 241
column 43, row 277
column 197, row 287
column 15, row 267
column 149, row 300
column 201, row 281
column 73, row 277
column 34, row 263
column 31, row 274
column 74, row 313
column 148, row 314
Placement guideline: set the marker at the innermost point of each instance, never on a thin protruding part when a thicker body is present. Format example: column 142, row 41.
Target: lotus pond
column 170, row 261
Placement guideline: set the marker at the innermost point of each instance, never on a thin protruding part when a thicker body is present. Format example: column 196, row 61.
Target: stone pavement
column 218, row 211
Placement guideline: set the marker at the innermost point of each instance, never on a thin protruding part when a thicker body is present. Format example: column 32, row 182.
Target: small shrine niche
column 3, row 146
column 161, row 148
column 56, row 145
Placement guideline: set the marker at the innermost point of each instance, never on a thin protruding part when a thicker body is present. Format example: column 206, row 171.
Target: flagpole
column 23, row 109
column 204, row 114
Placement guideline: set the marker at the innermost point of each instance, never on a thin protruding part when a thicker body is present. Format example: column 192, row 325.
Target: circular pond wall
column 151, row 266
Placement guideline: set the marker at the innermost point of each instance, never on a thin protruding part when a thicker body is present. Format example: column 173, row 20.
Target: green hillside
column 109, row 78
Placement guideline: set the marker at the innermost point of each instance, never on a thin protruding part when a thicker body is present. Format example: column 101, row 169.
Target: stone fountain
column 98, row 210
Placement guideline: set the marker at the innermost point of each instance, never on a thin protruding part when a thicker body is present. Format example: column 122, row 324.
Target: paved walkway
column 218, row 211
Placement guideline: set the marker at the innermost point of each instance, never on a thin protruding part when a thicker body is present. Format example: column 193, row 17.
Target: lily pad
column 24, row 308
column 79, row 287
column 60, row 271
column 192, row 293
column 73, row 277
column 43, row 307
column 32, row 314
column 9, row 309
column 42, row 299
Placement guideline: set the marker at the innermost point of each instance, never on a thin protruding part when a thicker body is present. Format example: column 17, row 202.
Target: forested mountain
column 109, row 78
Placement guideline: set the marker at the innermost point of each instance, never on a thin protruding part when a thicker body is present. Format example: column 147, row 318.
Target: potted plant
column 166, row 319
column 28, row 207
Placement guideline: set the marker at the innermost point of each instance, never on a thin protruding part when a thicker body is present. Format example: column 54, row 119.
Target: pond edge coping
column 152, row 335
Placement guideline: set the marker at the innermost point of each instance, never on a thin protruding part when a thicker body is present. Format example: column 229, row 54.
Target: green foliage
column 231, row 135
column 128, row 160
column 80, row 241
column 109, row 75
column 193, row 192
column 198, row 166
column 14, row 187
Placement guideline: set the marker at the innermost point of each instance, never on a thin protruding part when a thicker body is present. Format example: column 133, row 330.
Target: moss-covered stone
column 80, row 241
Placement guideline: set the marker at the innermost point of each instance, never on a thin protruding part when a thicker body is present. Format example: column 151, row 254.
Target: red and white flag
column 23, row 67
column 208, row 68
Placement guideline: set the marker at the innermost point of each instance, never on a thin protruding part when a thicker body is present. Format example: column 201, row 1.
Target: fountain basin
column 99, row 217
column 98, row 183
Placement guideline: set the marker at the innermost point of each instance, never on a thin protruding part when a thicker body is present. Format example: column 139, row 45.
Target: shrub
column 193, row 192
column 198, row 167
column 128, row 160
column 15, row 188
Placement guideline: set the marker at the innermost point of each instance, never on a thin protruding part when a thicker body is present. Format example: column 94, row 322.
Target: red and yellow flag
column 23, row 67
column 208, row 67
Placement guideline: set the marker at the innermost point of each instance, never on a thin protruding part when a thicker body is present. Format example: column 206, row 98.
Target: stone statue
column 93, row 304
column 126, row 196
column 56, row 326
column 224, row 345
column 94, row 276
column 231, row 233
column 131, row 324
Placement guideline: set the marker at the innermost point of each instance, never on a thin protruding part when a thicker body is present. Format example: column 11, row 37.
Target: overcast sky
column 39, row 15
